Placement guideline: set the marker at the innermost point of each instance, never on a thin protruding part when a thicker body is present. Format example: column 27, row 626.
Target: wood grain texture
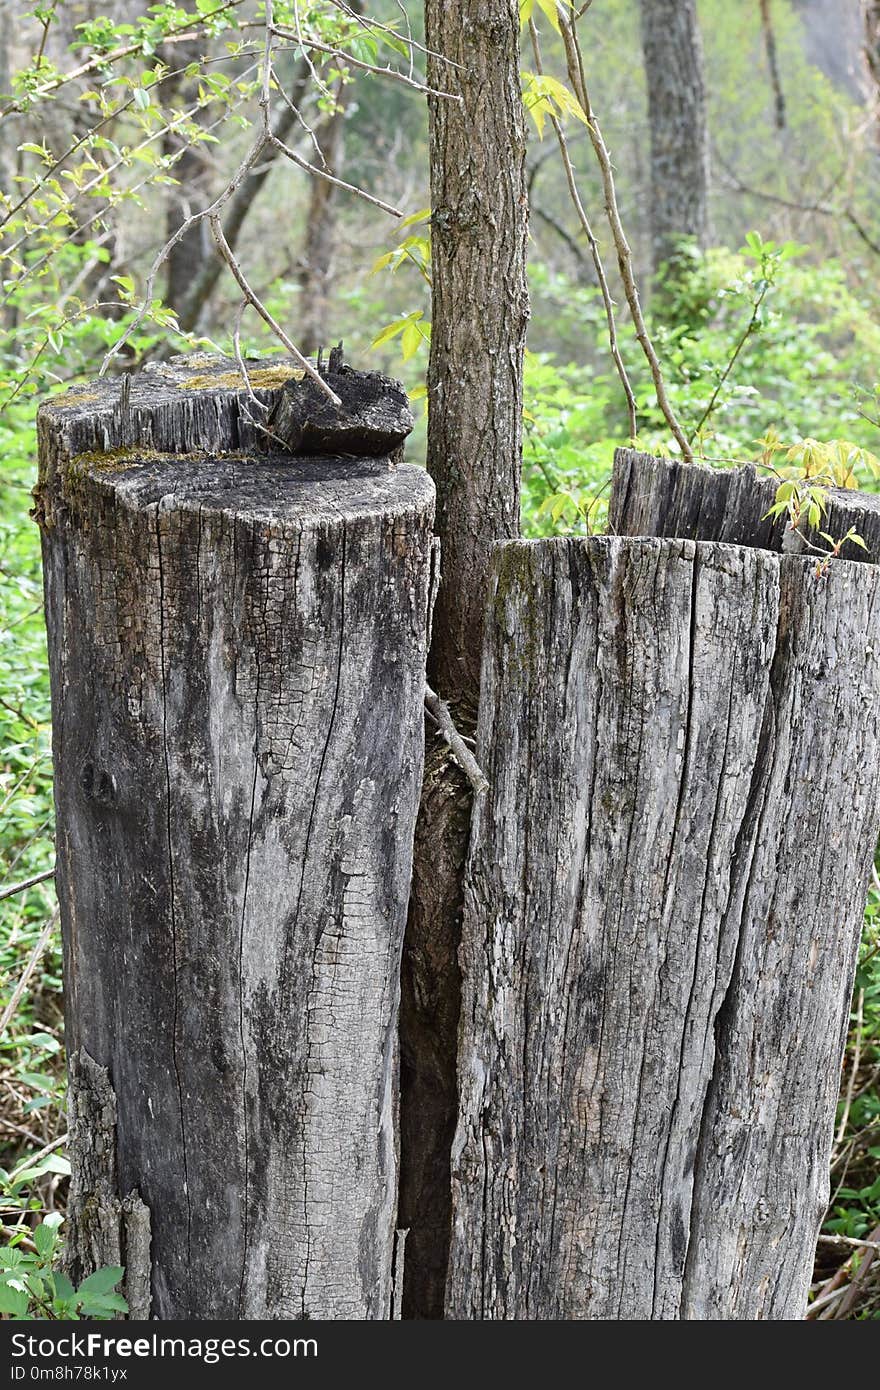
column 663, row 902
column 237, row 648
column 666, row 497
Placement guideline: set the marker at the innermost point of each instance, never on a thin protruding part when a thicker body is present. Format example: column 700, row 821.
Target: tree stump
column 666, row 497
column 237, row 643
column 664, row 897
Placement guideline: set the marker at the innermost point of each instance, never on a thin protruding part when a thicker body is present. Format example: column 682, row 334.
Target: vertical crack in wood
column 171, row 879
column 397, row 1272
column 241, row 1007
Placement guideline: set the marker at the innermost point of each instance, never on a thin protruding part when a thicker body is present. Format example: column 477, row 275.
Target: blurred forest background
column 120, row 120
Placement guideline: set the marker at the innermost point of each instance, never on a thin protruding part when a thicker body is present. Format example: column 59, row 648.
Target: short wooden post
column 237, row 629
column 667, row 497
column 664, row 895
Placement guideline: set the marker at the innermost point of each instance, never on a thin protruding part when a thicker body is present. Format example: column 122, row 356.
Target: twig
column 719, row 385
column 242, row 365
column 35, row 955
column 31, row 1159
column 577, row 78
column 440, row 713
column 854, row 1067
column 330, row 178
column 220, row 201
column 25, row 885
column 368, row 23
column 19, row 1129
column 253, row 299
column 347, row 58
column 631, row 406
column 564, row 235
column 821, row 209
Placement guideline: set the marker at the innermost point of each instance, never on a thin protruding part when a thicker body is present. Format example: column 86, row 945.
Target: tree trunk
column 480, row 311
column 773, row 64
column 664, row 896
column 872, row 53
column 237, row 646
column 191, row 191
column 673, row 58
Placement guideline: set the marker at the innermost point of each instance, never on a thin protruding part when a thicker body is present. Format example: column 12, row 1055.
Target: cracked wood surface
column 237, row 650
column 663, row 903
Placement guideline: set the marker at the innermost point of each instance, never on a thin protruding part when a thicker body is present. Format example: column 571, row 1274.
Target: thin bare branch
column 220, row 201
column 318, row 173
column 36, row 953
column 440, row 713
column 577, row 78
column 608, row 302
column 350, row 61
column 253, row 299
column 14, row 889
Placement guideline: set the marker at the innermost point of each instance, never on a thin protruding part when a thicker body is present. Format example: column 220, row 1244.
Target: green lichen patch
column 263, row 378
column 74, row 397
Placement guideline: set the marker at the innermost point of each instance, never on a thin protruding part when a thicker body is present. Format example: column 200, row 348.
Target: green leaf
column 856, row 540
column 103, row 1281
column 63, row 1287
column 96, row 1304
column 45, row 1240
column 411, row 340
column 549, row 9
column 13, row 1301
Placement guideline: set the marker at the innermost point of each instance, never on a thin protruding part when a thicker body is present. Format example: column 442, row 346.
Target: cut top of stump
column 201, row 404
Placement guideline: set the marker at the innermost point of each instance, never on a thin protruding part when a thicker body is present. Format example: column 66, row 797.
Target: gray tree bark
column 237, row 647
column 479, row 230
column 673, row 58
column 663, row 902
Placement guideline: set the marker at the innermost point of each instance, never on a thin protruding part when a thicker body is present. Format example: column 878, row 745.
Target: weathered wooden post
column 663, row 902
column 237, row 594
